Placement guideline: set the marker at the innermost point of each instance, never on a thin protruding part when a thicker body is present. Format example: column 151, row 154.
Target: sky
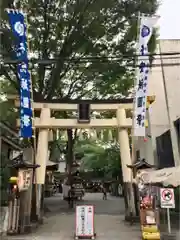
column 169, row 21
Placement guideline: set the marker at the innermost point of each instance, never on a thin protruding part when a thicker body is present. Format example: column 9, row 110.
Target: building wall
column 158, row 115
column 62, row 167
column 158, row 112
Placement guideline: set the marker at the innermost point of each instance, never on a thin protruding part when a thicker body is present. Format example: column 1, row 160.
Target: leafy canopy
column 99, row 155
column 71, row 30
column 81, row 36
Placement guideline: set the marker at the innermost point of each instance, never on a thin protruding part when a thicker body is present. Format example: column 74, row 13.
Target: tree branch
column 7, row 75
column 66, row 50
column 73, row 83
column 68, row 66
column 86, row 92
column 42, row 68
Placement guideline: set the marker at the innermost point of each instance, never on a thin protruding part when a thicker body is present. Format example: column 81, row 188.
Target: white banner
column 146, row 29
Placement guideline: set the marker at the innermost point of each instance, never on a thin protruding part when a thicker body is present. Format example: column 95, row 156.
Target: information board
column 24, row 179
column 84, row 221
column 167, row 198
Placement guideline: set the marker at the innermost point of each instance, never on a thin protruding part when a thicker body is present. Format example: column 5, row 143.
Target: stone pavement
column 60, row 222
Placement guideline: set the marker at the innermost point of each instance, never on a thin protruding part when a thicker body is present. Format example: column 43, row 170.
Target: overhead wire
column 126, row 55
column 103, row 59
column 125, row 64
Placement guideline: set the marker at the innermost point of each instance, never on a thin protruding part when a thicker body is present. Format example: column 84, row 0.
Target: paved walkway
column 60, row 222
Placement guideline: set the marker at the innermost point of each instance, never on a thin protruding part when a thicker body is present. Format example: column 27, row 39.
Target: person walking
column 71, row 197
column 104, row 191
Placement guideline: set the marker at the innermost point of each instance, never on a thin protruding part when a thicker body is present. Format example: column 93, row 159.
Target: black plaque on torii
column 40, row 99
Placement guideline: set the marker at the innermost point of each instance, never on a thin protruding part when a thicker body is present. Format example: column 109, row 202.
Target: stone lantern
column 138, row 167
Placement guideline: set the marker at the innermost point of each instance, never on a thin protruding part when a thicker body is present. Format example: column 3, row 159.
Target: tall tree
column 80, row 35
column 87, row 40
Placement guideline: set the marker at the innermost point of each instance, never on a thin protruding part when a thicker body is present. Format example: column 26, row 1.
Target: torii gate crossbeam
column 46, row 122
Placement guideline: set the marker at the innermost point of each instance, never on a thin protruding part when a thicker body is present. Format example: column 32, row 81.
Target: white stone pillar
column 124, row 145
column 94, row 134
column 110, row 137
column 102, row 135
column 42, row 147
column 125, row 160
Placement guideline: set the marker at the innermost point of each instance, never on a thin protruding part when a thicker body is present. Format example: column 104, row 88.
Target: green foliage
column 72, row 30
column 97, row 155
column 57, row 149
column 8, row 112
column 81, row 35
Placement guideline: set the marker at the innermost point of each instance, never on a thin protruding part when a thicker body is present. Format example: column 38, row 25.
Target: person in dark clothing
column 71, row 197
column 60, row 187
column 104, row 191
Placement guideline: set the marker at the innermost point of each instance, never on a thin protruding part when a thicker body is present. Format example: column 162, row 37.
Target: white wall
column 158, row 116
column 62, row 167
column 158, row 112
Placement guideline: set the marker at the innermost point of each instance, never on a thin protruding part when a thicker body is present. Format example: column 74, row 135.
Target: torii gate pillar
column 42, row 147
column 45, row 122
column 41, row 159
column 125, row 160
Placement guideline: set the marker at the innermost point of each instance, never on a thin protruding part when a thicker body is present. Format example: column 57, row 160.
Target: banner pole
column 168, row 221
column 134, row 98
column 33, row 121
column 133, row 204
column 32, row 98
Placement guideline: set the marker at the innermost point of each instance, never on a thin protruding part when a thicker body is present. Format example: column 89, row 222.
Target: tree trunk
column 69, row 153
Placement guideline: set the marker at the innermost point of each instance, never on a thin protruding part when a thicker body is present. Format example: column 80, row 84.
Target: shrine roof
column 140, row 164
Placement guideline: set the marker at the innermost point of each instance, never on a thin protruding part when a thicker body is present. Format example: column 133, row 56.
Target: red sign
column 167, row 194
column 167, row 198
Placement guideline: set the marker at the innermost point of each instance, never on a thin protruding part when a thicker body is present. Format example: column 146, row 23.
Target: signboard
column 167, row 198
column 84, row 221
column 24, row 179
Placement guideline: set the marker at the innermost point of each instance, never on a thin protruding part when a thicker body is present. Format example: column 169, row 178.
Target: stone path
column 60, row 222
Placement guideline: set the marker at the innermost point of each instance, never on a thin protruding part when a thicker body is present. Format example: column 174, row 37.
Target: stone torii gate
column 46, row 123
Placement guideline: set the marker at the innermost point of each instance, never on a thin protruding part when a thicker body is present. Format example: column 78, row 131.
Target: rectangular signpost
column 167, row 201
column 85, row 222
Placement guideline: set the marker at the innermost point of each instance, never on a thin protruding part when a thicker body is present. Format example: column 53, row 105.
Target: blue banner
column 17, row 23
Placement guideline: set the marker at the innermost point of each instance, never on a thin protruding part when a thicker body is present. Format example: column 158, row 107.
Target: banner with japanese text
column 141, row 87
column 18, row 26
